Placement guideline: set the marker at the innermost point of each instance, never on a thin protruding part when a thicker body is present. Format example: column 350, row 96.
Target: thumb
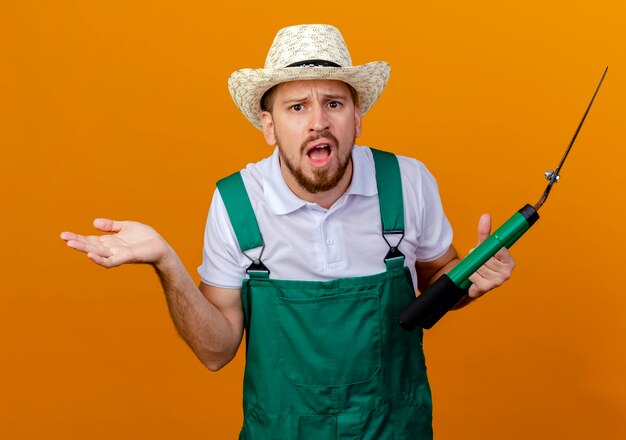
column 484, row 228
column 106, row 225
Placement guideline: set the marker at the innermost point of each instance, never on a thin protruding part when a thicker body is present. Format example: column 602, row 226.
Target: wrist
column 167, row 261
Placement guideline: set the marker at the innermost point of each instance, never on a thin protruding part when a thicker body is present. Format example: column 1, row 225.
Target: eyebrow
column 335, row 97
column 327, row 97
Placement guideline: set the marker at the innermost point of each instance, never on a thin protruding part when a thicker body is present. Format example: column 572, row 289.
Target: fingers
column 111, row 250
column 101, row 224
column 107, row 225
column 99, row 252
column 93, row 244
column 484, row 228
column 96, row 250
column 495, row 272
column 108, row 262
column 504, row 256
column 68, row 236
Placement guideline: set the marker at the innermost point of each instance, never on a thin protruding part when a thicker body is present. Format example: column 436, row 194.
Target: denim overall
column 326, row 360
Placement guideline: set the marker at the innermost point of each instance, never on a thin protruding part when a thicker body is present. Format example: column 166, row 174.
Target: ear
column 357, row 121
column 268, row 128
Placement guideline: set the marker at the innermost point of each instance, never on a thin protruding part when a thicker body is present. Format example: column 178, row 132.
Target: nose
column 319, row 118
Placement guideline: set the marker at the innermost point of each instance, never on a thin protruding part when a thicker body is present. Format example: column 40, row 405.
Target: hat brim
column 247, row 86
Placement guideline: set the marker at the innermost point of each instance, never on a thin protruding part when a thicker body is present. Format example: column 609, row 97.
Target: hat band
column 314, row 63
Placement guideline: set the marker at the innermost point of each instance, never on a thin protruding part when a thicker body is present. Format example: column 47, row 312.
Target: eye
column 296, row 107
column 334, row 104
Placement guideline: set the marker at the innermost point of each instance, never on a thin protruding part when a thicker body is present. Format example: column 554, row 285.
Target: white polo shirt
column 304, row 241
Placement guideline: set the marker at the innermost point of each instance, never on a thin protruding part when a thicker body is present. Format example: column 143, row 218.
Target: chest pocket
column 329, row 340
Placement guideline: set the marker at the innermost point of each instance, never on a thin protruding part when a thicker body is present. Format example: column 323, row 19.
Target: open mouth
column 319, row 154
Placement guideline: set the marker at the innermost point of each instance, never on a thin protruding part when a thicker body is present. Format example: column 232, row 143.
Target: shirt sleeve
column 223, row 264
column 434, row 233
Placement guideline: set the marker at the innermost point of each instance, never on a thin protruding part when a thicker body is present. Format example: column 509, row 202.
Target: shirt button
column 329, row 241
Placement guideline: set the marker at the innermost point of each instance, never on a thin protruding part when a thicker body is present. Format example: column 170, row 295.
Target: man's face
column 314, row 123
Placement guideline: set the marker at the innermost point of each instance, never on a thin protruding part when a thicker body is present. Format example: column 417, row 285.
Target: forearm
column 211, row 322
column 442, row 271
column 199, row 322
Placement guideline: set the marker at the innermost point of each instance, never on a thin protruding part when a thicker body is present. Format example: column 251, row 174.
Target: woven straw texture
column 301, row 43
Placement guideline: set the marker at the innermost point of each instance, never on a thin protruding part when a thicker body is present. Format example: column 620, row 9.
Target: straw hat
column 309, row 51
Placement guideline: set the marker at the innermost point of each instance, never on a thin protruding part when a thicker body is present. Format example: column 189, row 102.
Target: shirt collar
column 282, row 200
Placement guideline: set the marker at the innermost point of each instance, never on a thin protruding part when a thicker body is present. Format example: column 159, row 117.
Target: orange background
column 120, row 109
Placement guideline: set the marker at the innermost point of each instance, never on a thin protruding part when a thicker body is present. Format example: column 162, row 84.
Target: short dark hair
column 267, row 100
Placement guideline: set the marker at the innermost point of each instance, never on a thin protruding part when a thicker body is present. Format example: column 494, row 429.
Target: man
column 314, row 251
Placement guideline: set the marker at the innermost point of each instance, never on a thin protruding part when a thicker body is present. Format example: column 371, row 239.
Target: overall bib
column 327, row 360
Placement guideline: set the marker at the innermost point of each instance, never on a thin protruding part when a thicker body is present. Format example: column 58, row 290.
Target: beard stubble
column 321, row 180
